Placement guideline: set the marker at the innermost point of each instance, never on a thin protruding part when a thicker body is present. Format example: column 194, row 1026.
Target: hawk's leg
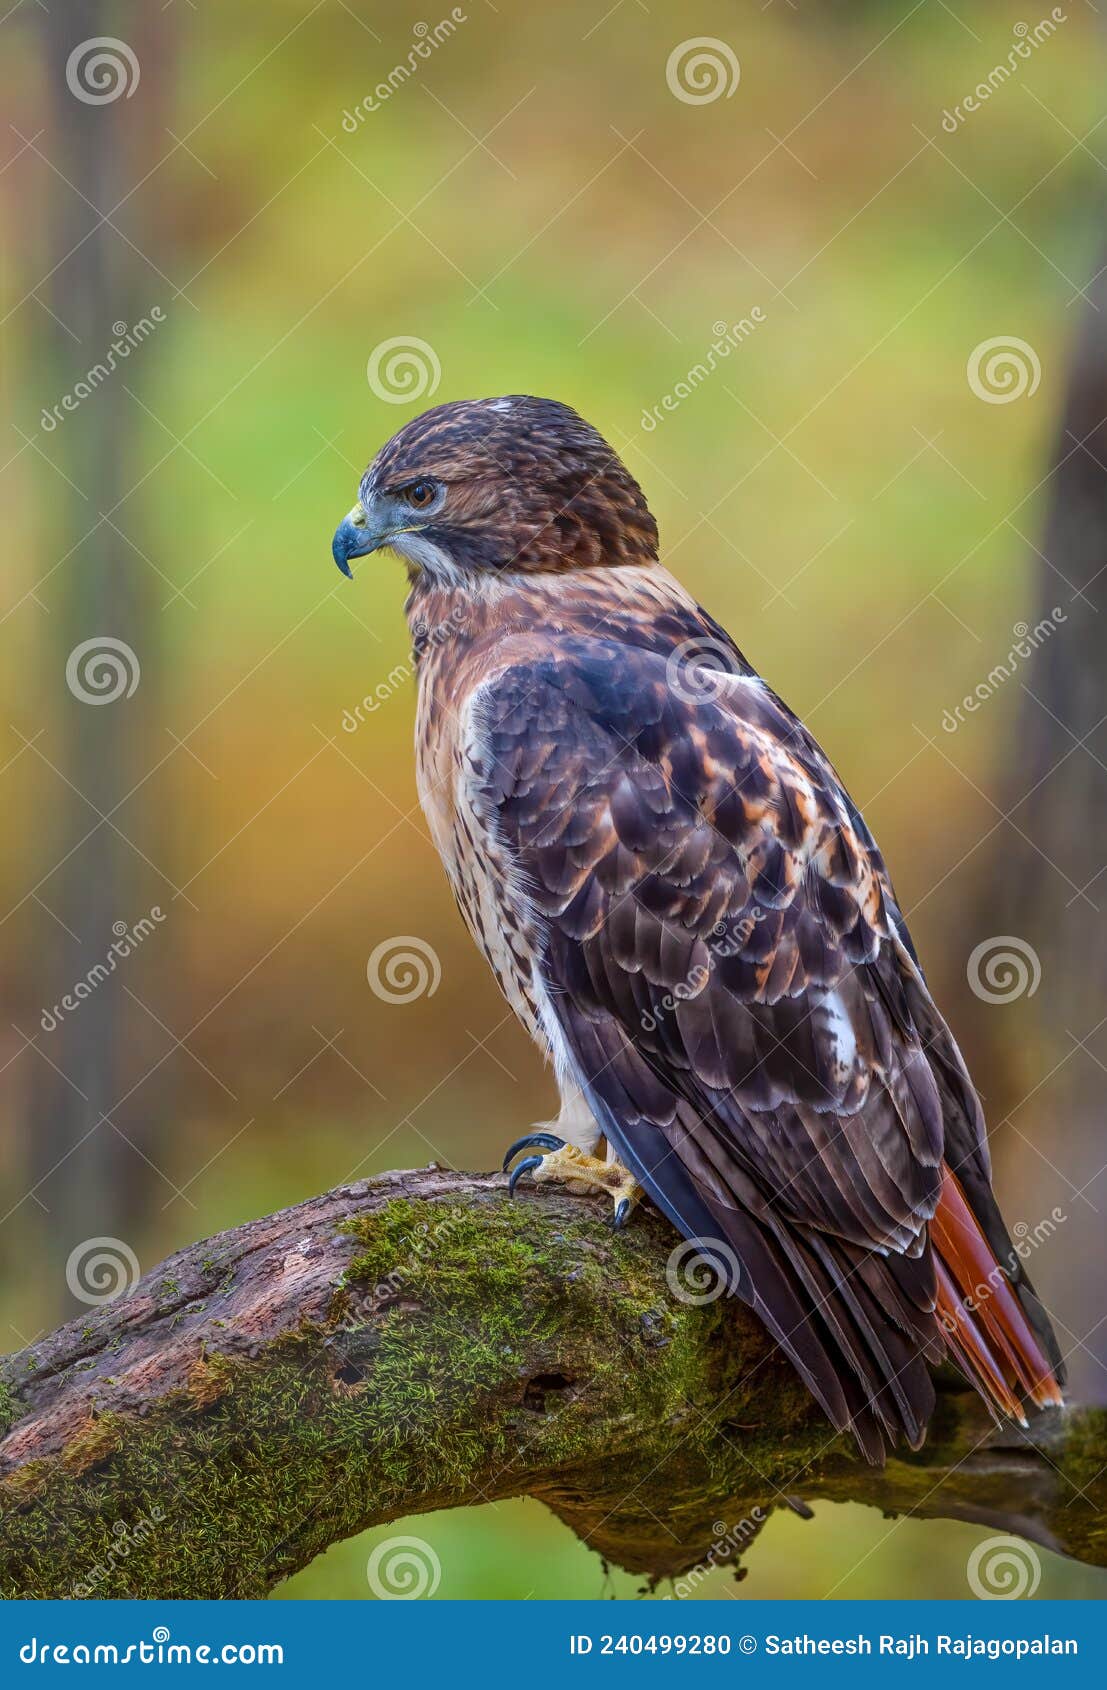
column 564, row 1164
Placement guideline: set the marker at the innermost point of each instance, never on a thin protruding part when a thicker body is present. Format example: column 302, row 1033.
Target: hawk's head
column 498, row 485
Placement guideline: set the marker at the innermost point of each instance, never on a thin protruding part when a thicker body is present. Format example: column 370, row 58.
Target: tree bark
column 421, row 1341
column 81, row 1140
column 1049, row 875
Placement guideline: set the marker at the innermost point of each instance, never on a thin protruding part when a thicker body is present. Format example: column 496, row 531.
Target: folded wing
column 731, row 983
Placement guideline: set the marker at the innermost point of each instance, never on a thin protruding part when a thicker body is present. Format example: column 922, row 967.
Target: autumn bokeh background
column 538, row 206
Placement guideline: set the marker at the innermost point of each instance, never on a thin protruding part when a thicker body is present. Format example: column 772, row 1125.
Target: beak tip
column 341, row 548
column 351, row 539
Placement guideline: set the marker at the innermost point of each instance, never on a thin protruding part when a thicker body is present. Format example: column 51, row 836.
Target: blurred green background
column 535, row 204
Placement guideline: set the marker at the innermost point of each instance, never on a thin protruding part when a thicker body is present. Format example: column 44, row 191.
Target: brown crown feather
column 531, row 486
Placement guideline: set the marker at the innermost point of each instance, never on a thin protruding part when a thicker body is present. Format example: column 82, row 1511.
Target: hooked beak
column 354, row 538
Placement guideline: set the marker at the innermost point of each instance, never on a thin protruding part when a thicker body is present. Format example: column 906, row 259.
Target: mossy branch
column 420, row 1341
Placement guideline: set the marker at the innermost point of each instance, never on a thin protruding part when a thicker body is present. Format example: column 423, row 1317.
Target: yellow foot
column 566, row 1165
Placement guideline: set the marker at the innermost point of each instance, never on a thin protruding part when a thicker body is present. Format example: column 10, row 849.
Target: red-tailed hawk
column 689, row 915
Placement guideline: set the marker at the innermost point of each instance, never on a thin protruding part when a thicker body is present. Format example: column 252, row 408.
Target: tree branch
column 419, row 1341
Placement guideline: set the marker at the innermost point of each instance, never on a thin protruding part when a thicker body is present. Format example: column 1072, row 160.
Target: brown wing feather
column 701, row 883
column 736, row 992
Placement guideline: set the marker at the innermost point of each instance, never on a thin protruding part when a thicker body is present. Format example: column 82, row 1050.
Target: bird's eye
column 420, row 494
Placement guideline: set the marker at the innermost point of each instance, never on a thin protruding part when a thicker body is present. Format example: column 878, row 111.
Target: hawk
column 686, row 910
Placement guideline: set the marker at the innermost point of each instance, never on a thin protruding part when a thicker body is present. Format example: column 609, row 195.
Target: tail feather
column 987, row 1329
column 969, row 1349
column 859, row 1326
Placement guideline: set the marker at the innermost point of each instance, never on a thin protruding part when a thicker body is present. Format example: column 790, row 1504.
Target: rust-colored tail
column 986, row 1329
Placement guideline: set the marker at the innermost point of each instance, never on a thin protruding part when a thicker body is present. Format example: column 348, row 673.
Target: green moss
column 1080, row 1463
column 20, row 1487
column 468, row 1346
column 99, row 1437
column 210, row 1378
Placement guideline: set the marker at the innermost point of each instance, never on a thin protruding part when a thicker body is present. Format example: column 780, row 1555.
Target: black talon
column 544, row 1141
column 524, row 1167
column 622, row 1210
